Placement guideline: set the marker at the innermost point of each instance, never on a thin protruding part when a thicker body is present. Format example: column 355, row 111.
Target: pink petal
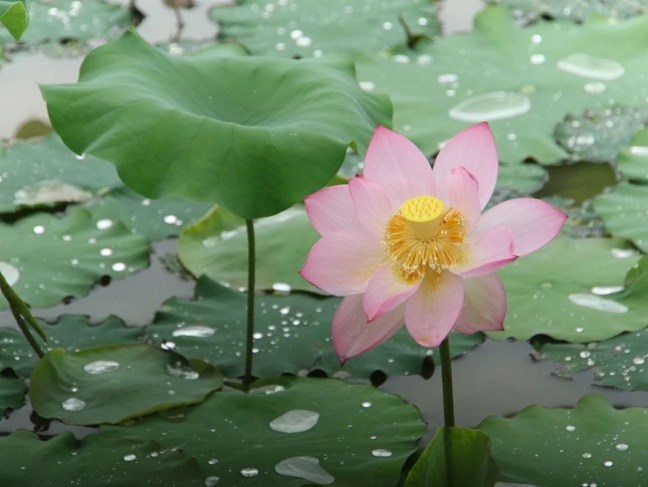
column 475, row 150
column 385, row 291
column 395, row 163
column 372, row 206
column 331, row 209
column 484, row 305
column 488, row 251
column 433, row 310
column 533, row 223
column 463, row 195
column 342, row 263
column 352, row 335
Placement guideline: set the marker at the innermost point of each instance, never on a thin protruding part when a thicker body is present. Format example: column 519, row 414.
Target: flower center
column 424, row 236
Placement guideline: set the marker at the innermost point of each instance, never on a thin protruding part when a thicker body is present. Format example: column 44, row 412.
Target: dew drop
column 594, row 88
column 168, row 345
column 585, row 354
column 447, row 78
column 366, row 404
column 249, row 472
column 281, row 287
column 622, row 447
column 171, row 219
column 591, row 67
column 608, row 463
column 586, row 455
column 367, row 85
column 211, row 481
column 597, row 303
column 624, row 253
column 387, row 26
column 130, row 457
column 104, row 224
column 570, row 428
column 537, row 59
column 106, row 252
column 39, row 229
column 605, row 290
column 296, row 34
column 73, row 404
column 182, row 371
column 304, row 41
column 381, row 452
column 118, row 267
column 11, row 273
column 491, row 106
column 101, row 367
column 197, row 331
column 295, row 421
column 638, row 361
column 212, row 461
column 303, row 467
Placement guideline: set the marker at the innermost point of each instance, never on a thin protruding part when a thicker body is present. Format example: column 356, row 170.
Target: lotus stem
column 446, row 379
column 248, row 378
column 22, row 315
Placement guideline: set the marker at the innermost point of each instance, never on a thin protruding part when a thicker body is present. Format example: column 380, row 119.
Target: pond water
column 497, row 378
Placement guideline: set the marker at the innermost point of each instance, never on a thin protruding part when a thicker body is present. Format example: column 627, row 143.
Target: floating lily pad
column 312, row 28
column 293, row 333
column 529, row 11
column 112, row 383
column 65, row 20
column 12, row 393
column 49, row 258
column 288, row 431
column 72, row 332
column 470, row 461
column 590, row 444
column 523, row 81
column 48, row 173
column 618, row 362
column 633, row 161
column 14, row 17
column 600, row 135
column 216, row 246
column 518, row 180
column 556, row 292
column 152, row 219
column 624, row 211
column 26, row 460
column 237, row 131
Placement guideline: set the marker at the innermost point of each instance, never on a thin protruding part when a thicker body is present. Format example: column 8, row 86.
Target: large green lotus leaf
column 600, row 135
column 624, row 210
column 254, row 135
column 469, row 463
column 14, row 17
column 47, row 173
column 293, row 334
column 618, row 362
column 292, row 432
column 592, row 444
column 559, row 291
column 12, row 393
column 72, row 332
column 523, row 81
column 48, row 259
column 152, row 219
column 216, row 246
column 529, row 11
column 633, row 161
column 64, row 20
column 112, row 383
column 311, row 27
column 26, row 461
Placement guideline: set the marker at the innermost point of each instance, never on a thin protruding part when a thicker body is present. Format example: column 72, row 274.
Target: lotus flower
column 407, row 243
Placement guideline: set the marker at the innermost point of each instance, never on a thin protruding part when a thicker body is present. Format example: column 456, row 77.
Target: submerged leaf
column 110, row 384
column 288, row 431
column 592, row 443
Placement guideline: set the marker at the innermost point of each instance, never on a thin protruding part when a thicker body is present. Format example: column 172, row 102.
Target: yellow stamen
column 423, row 237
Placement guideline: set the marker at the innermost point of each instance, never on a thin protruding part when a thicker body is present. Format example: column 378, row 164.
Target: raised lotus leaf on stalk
column 254, row 135
column 15, row 18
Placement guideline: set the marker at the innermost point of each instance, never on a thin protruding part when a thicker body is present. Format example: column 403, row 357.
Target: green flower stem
column 446, row 378
column 23, row 316
column 248, row 378
column 448, row 405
